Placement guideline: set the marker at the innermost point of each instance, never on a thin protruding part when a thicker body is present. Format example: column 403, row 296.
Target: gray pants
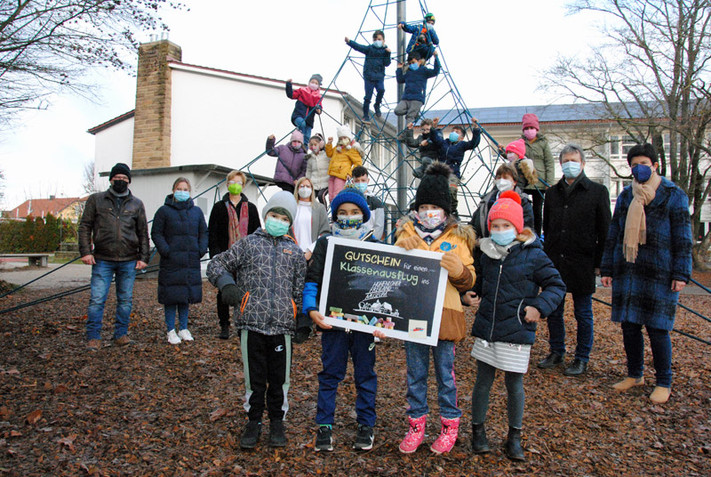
column 409, row 109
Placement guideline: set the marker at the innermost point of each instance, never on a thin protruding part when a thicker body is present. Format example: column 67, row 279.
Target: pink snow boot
column 448, row 436
column 414, row 436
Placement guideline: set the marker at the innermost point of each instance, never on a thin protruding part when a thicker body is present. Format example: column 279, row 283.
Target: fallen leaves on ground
column 156, row 409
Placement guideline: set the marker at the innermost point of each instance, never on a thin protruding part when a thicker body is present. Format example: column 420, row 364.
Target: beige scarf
column 636, row 224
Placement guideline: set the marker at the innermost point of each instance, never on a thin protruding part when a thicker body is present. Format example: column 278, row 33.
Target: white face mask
column 344, row 141
column 431, row 218
column 304, row 192
column 503, row 184
column 512, row 156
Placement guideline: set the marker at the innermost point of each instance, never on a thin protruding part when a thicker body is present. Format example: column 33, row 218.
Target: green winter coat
column 540, row 153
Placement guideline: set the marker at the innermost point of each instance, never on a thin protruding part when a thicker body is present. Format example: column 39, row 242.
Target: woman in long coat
column 647, row 261
column 180, row 235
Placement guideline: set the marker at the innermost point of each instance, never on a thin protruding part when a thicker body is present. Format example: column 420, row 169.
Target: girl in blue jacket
column 512, row 269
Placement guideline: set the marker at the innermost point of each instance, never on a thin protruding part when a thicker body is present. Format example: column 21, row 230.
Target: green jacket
column 540, row 153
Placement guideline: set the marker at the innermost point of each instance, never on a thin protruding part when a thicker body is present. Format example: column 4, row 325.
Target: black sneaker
column 250, row 436
column 277, row 438
column 364, row 438
column 225, row 332
column 324, row 439
column 551, row 361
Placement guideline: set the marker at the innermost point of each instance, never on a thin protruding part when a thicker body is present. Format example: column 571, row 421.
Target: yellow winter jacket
column 343, row 161
column 462, row 239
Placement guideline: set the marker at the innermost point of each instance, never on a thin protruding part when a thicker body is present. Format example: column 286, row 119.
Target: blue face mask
column 276, row 227
column 642, row 173
column 378, row 44
column 453, row 137
column 414, row 66
column 181, row 195
column 361, row 186
column 504, row 238
column 571, row 169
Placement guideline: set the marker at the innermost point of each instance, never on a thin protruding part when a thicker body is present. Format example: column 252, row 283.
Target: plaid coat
column 641, row 291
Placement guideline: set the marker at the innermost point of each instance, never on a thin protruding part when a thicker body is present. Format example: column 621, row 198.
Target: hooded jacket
column 462, row 239
column 291, row 165
column 540, row 153
column 343, row 160
column 416, row 81
column 376, row 60
column 506, row 286
column 269, row 273
column 317, row 169
column 180, row 234
column 307, row 103
column 452, row 153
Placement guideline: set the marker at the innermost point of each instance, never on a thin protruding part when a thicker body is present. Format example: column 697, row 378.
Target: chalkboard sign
column 370, row 285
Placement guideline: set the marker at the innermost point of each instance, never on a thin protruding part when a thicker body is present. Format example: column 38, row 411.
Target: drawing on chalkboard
column 377, row 291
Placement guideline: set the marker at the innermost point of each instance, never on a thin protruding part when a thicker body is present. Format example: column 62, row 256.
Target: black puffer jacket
column 116, row 226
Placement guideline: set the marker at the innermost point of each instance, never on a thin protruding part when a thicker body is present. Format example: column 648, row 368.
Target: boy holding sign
column 350, row 213
column 431, row 226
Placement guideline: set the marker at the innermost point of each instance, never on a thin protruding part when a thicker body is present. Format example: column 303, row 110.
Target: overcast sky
column 495, row 51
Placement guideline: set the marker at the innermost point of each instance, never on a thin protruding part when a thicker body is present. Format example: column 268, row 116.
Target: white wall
column 222, row 119
column 113, row 144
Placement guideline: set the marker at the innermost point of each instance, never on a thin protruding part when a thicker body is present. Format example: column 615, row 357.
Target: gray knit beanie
column 282, row 202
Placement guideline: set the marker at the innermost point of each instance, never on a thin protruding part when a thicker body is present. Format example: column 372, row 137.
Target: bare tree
column 47, row 45
column 652, row 79
column 88, row 183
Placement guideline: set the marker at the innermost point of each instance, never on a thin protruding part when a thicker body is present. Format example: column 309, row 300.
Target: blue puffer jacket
column 180, row 235
column 416, row 81
column 452, row 153
column 507, row 286
column 376, row 60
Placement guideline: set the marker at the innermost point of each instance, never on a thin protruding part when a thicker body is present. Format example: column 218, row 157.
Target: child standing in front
column 513, row 269
column 415, row 81
column 349, row 213
column 377, row 58
column 308, row 104
column 432, row 227
column 263, row 274
column 344, row 157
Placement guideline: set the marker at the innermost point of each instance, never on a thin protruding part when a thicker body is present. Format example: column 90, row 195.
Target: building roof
column 42, row 207
column 111, row 122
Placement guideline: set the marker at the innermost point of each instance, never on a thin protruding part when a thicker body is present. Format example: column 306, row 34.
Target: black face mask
column 119, row 186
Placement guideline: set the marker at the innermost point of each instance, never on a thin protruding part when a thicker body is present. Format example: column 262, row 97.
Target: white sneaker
column 185, row 335
column 173, row 337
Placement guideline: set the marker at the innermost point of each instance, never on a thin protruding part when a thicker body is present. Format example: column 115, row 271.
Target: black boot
column 512, row 446
column 366, row 111
column 224, row 331
column 551, row 361
column 576, row 368
column 378, row 114
column 250, row 436
column 277, row 437
column 480, row 444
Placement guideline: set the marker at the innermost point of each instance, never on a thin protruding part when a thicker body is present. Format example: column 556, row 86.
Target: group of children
column 275, row 294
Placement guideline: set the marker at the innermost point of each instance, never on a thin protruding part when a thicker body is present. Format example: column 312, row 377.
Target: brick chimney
column 151, row 126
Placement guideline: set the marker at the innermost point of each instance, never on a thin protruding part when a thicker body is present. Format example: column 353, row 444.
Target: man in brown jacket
column 115, row 222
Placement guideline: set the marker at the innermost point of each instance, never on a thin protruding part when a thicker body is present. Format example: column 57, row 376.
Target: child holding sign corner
column 431, row 226
column 350, row 213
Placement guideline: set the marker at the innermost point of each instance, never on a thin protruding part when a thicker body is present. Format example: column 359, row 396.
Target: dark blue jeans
column 485, row 374
column 379, row 86
column 335, row 346
column 661, row 352
column 304, row 128
column 582, row 309
column 170, row 310
column 418, row 365
column 101, row 276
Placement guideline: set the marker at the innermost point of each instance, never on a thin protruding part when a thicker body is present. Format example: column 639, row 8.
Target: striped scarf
column 238, row 226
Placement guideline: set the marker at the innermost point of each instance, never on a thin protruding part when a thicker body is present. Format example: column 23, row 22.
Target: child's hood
column 461, row 231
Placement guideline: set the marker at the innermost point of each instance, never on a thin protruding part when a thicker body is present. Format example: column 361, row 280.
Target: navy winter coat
column 507, row 286
column 416, row 81
column 376, row 60
column 575, row 223
column 641, row 291
column 452, row 153
column 180, row 235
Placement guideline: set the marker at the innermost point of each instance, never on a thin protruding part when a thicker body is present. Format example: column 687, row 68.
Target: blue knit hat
column 353, row 196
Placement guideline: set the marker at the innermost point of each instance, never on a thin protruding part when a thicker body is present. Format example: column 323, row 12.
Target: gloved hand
column 303, row 328
column 230, row 295
column 409, row 243
column 453, row 264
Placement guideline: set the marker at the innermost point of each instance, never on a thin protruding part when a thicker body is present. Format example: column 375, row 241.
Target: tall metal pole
column 402, row 170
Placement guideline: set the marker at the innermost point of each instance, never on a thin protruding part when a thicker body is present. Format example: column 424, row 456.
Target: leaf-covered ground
column 156, row 409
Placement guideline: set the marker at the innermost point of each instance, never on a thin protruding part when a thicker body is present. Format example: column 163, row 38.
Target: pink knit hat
column 507, row 207
column 518, row 147
column 297, row 136
column 530, row 120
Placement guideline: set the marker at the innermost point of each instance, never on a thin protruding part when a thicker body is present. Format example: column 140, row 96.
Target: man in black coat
column 576, row 217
